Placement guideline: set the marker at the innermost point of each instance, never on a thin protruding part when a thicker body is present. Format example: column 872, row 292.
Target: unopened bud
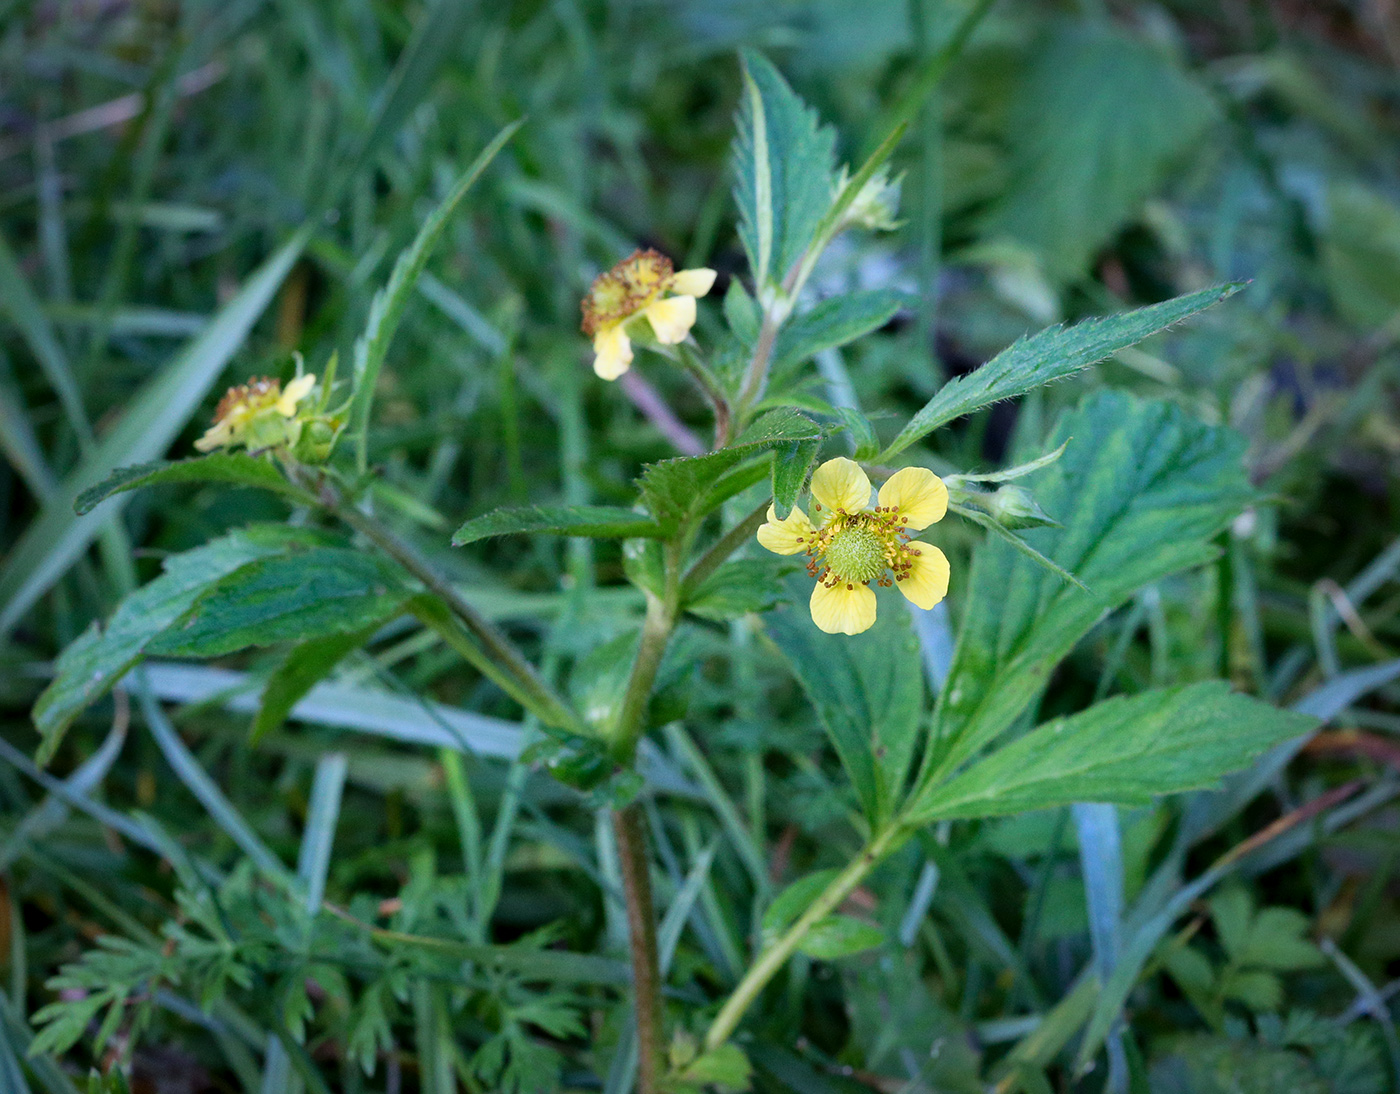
column 875, row 205
column 1015, row 507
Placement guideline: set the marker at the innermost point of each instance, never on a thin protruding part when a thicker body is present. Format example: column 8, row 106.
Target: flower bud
column 875, row 205
column 1016, row 507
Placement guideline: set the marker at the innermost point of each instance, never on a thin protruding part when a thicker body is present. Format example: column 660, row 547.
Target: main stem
column 629, row 827
column 773, row 958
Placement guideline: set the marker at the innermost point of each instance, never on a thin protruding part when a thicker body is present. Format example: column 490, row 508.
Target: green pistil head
column 856, row 554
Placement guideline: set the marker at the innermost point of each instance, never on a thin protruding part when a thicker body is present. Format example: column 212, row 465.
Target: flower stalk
column 629, row 829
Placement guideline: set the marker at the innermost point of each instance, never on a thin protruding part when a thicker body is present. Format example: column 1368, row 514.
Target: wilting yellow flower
column 851, row 543
column 258, row 414
column 643, row 285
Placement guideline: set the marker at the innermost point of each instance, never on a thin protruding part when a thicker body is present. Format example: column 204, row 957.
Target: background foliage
column 175, row 177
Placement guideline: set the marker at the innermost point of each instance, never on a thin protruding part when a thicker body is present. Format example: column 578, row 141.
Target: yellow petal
column 693, row 282
column 613, row 350
column 671, row 318
column 296, row 391
column 786, row 537
column 918, row 494
column 216, row 436
column 926, row 582
column 846, row 609
column 841, row 484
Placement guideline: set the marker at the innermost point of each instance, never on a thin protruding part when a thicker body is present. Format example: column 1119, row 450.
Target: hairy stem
column 631, row 720
column 516, row 673
column 756, row 378
column 629, row 827
column 775, row 956
column 725, row 546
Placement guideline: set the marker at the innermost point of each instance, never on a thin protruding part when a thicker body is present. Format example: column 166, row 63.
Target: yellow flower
column 258, row 414
column 851, row 543
column 643, row 285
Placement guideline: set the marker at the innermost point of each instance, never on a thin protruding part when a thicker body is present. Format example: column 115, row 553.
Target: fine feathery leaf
column 596, row 521
column 1124, row 750
column 1053, row 354
column 785, row 171
column 387, row 307
column 234, row 468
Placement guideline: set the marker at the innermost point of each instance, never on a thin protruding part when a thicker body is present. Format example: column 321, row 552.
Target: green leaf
column 1142, row 491
column 1050, row 355
column 795, row 899
column 840, row 936
column 153, row 418
column 834, row 322
column 784, row 164
column 791, row 465
column 868, row 692
column 597, row 521
column 289, row 597
column 236, row 468
column 388, row 305
column 1259, row 991
column 93, row 664
column 740, row 587
column 1278, row 940
column 725, row 1067
column 1361, row 253
column 1099, row 118
column 677, row 490
column 302, row 669
column 1123, row 750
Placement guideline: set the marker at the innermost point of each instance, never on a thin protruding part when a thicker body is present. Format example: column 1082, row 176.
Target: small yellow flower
column 643, row 285
column 258, row 414
column 851, row 543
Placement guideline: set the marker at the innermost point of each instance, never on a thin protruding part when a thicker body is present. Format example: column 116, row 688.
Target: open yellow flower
column 644, row 285
column 852, row 543
column 258, row 414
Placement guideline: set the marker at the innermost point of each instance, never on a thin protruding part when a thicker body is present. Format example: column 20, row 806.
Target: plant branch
column 756, row 378
column 714, row 391
column 725, row 546
column 775, row 956
column 629, row 827
column 515, row 674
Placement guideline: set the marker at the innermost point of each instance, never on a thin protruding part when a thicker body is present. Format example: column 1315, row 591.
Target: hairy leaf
column 1050, row 355
column 1123, row 750
column 597, row 521
column 784, row 163
column 100, row 657
column 1142, row 489
column 289, row 597
column 236, row 468
column 833, row 322
column 868, row 692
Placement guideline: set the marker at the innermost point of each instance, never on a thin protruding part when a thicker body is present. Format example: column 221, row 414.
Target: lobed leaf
column 1123, row 750
column 1142, row 491
column 1053, row 354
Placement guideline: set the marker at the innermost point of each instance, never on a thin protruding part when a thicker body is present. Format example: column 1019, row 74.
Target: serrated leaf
column 1259, row 991
column 834, row 322
column 740, row 587
column 597, row 521
column 1278, row 940
column 675, row 490
column 1052, row 354
column 93, row 664
column 301, row 670
column 869, row 693
column 784, row 164
column 791, row 466
column 288, row 597
column 1099, row 118
column 838, row 936
column 1123, row 750
column 234, row 468
column 1142, row 491
column 725, row 1067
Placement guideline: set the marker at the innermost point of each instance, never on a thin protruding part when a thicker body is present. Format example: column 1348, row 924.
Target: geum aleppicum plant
column 852, row 543
column 690, row 516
